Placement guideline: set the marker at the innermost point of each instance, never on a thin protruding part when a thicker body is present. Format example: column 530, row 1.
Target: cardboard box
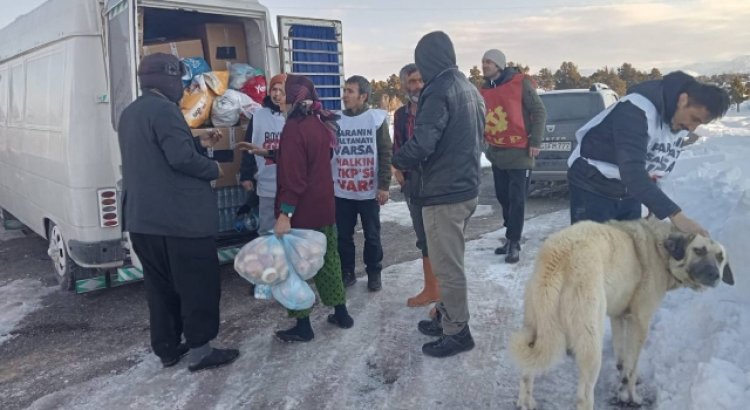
column 223, row 43
column 180, row 49
column 226, row 154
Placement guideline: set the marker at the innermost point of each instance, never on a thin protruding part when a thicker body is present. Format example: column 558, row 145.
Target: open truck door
column 313, row 48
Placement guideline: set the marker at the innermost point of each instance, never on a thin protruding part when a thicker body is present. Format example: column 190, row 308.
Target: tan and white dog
column 590, row 270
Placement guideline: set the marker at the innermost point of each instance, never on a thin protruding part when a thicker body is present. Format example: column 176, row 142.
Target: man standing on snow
column 446, row 149
column 403, row 131
column 624, row 151
column 513, row 133
column 362, row 178
column 171, row 214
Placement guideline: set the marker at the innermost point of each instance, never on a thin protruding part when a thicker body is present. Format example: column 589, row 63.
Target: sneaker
column 373, row 282
column 349, row 279
column 514, row 253
column 181, row 350
column 217, row 358
column 450, row 345
column 431, row 327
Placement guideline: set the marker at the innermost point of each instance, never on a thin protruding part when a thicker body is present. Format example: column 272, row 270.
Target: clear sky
column 380, row 35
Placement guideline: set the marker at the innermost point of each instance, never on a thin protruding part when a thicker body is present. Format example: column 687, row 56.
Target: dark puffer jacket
column 448, row 131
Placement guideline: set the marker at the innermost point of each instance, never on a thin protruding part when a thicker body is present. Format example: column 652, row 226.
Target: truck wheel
column 65, row 268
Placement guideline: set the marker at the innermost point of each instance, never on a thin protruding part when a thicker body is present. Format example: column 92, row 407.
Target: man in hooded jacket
column 445, row 149
column 624, row 151
column 171, row 213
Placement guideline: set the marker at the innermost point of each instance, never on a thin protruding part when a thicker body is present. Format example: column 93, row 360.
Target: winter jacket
column 534, row 118
column 166, row 187
column 304, row 181
column 617, row 147
column 385, row 151
column 449, row 128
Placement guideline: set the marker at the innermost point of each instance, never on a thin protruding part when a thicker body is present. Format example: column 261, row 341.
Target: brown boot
column 431, row 291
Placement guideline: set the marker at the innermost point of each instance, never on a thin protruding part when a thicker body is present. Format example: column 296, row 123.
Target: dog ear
column 727, row 275
column 676, row 244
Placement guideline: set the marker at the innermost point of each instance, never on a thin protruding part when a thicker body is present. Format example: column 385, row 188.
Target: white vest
column 267, row 127
column 355, row 159
column 664, row 146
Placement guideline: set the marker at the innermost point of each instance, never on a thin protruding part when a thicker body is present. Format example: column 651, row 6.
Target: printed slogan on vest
column 355, row 159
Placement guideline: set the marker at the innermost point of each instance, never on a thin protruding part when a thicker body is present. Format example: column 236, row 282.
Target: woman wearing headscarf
column 304, row 195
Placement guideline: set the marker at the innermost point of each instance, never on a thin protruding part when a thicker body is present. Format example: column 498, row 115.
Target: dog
column 620, row 269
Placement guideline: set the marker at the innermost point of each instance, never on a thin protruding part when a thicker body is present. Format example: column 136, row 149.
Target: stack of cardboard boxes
column 218, row 43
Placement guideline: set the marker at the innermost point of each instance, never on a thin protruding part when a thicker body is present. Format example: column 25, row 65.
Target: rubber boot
column 431, row 291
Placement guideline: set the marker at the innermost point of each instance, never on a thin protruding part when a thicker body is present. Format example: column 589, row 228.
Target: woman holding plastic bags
column 304, row 197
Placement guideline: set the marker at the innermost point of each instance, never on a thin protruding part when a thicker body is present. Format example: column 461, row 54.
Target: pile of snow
column 17, row 299
column 698, row 343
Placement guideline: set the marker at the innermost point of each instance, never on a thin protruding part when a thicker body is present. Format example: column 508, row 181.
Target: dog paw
column 529, row 404
column 617, row 402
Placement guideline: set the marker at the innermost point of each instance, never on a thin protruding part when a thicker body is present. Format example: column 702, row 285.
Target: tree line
column 387, row 93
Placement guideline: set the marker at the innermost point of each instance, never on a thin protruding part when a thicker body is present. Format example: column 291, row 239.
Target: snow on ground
column 696, row 355
column 378, row 364
column 398, row 212
column 698, row 345
column 17, row 299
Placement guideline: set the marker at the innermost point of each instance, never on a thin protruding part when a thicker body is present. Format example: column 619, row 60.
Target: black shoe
column 181, row 351
column 217, row 358
column 503, row 249
column 514, row 253
column 431, row 327
column 349, row 279
column 301, row 332
column 373, row 282
column 341, row 317
column 450, row 345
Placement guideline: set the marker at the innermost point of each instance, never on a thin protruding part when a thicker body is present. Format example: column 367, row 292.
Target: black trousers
column 511, row 189
column 368, row 211
column 181, row 276
column 589, row 206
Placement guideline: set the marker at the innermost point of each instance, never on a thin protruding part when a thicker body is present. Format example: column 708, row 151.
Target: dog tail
column 541, row 341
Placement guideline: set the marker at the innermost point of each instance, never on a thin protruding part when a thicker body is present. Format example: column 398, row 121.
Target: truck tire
column 66, row 269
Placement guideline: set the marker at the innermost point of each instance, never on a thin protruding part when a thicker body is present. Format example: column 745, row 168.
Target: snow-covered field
column 696, row 356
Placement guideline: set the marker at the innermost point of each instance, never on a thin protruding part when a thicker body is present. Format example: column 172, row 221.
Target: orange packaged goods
column 180, row 49
column 226, row 153
column 224, row 43
column 196, row 102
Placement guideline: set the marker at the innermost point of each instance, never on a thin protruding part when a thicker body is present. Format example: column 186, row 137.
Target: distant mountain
column 737, row 65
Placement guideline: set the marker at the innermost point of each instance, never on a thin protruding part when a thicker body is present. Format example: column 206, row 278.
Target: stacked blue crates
column 316, row 53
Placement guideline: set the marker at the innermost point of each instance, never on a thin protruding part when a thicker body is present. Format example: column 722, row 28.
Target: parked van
column 567, row 111
column 67, row 71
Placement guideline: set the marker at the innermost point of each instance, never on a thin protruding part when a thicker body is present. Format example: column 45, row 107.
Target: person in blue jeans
column 624, row 151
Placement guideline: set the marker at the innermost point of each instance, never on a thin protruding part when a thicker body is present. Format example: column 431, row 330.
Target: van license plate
column 556, row 146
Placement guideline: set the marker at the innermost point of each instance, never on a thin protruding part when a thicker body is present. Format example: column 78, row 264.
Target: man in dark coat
column 445, row 149
column 171, row 214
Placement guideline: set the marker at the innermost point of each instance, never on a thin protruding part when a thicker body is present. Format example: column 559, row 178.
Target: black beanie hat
column 162, row 72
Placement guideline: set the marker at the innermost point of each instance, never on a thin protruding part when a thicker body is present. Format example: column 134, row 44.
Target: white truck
column 68, row 69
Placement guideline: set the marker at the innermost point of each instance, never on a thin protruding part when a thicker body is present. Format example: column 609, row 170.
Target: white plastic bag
column 227, row 108
column 262, row 261
column 306, row 251
column 294, row 293
column 239, row 73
